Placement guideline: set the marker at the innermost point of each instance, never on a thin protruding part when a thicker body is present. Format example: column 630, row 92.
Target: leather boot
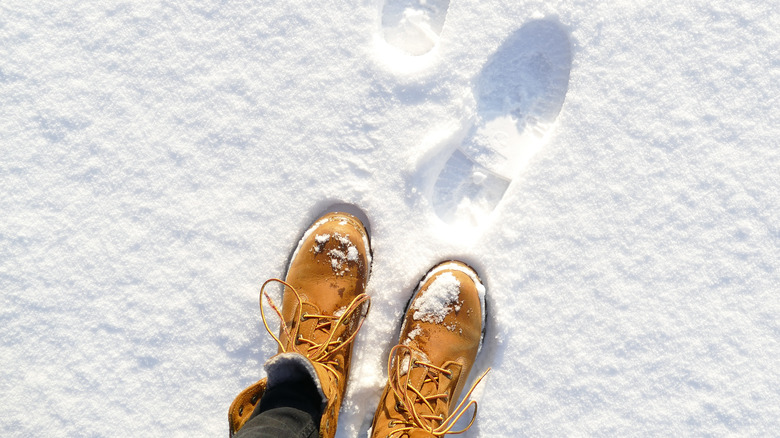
column 427, row 370
column 323, row 306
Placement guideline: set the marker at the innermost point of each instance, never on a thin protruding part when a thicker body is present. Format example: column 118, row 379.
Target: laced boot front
column 323, row 307
column 427, row 369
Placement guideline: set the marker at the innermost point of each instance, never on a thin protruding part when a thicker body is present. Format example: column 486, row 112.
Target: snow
column 413, row 333
column 438, row 300
column 320, row 241
column 339, row 257
column 160, row 160
column 352, row 253
column 478, row 284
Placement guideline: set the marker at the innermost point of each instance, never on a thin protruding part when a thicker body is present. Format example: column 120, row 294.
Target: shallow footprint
column 413, row 25
column 519, row 94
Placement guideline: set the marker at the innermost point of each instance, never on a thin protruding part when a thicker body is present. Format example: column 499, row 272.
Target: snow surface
column 159, row 160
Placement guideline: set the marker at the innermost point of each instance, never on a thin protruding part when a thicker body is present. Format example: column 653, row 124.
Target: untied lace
column 406, row 394
column 316, row 352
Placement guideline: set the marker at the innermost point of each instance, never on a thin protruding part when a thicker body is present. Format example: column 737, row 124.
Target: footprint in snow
column 413, row 26
column 519, row 93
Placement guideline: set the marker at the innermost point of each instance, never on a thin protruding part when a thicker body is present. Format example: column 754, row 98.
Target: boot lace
column 320, row 352
column 411, row 401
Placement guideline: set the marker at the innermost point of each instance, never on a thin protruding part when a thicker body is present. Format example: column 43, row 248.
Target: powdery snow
column 337, row 259
column 320, row 241
column 352, row 254
column 159, row 160
column 343, row 255
column 481, row 290
column 438, row 300
column 413, row 333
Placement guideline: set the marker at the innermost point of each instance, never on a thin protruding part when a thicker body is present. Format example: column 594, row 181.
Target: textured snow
column 339, row 257
column 413, row 333
column 480, row 286
column 438, row 300
column 159, row 160
column 352, row 253
column 320, row 241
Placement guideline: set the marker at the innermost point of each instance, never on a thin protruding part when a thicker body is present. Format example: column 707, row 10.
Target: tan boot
column 440, row 338
column 323, row 307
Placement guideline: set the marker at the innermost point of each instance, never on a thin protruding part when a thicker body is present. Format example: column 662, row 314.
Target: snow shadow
column 519, row 94
column 413, row 26
column 527, row 77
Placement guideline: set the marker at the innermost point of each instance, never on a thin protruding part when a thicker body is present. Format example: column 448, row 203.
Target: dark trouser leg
column 289, row 410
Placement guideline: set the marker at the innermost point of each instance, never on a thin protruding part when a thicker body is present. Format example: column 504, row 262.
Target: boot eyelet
column 254, row 399
column 391, row 423
column 240, row 411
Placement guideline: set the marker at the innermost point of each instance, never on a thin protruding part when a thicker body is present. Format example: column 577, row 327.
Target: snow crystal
column 346, row 253
column 369, row 256
column 321, row 240
column 343, row 240
column 352, row 254
column 337, row 257
column 477, row 282
column 416, row 331
column 438, row 300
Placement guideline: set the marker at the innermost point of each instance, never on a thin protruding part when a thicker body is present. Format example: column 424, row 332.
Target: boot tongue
column 427, row 388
